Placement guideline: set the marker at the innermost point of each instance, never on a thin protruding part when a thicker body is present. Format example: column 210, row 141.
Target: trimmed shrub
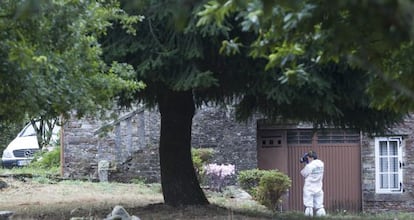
column 265, row 186
column 272, row 186
column 249, row 180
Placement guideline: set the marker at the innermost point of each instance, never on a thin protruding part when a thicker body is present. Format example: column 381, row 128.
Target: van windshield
column 28, row 131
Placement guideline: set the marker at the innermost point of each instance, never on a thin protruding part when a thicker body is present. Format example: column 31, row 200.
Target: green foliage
column 200, row 158
column 51, row 60
column 47, row 159
column 265, row 186
column 198, row 164
column 204, row 154
column 272, row 186
column 8, row 132
column 393, row 88
column 375, row 36
column 139, row 180
column 249, row 180
column 34, row 171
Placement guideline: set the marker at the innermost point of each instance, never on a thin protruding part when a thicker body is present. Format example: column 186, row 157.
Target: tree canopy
column 279, row 59
column 51, row 60
column 375, row 36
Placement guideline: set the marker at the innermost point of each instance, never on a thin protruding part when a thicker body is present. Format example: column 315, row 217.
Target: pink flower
column 218, row 173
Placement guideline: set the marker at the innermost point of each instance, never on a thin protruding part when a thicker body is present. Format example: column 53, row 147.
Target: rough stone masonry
column 130, row 143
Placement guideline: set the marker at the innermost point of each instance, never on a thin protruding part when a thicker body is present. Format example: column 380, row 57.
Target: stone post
column 103, row 170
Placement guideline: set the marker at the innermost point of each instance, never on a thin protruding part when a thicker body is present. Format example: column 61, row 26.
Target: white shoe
column 309, row 211
column 320, row 212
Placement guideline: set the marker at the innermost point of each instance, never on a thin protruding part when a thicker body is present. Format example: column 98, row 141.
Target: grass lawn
column 40, row 197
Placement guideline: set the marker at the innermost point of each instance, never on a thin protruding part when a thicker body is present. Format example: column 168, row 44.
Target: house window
column 299, row 137
column 271, row 141
column 338, row 136
column 388, row 165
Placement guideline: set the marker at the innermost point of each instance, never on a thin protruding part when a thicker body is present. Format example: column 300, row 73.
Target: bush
column 47, row 159
column 272, row 186
column 205, row 154
column 200, row 157
column 266, row 186
column 249, row 180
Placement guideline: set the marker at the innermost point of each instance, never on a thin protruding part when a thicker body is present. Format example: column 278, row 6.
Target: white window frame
column 378, row 172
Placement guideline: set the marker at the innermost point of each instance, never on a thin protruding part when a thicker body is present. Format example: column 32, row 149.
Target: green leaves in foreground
column 51, row 61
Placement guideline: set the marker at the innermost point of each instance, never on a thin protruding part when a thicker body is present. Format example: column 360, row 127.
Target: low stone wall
column 130, row 143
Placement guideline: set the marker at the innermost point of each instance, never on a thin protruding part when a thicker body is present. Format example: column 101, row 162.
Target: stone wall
column 130, row 143
column 233, row 143
column 373, row 202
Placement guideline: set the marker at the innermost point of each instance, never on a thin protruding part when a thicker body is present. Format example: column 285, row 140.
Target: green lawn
column 43, row 196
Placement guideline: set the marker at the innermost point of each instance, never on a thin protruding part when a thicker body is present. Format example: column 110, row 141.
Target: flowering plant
column 218, row 174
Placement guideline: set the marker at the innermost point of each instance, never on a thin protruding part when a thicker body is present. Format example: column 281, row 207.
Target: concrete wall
column 130, row 143
column 373, row 202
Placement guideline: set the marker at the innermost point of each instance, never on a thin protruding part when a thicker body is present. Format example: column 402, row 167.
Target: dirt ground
column 30, row 199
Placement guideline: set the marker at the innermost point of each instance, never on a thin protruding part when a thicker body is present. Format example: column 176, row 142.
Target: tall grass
column 33, row 171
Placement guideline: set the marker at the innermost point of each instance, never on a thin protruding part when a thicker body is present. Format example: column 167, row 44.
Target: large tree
column 185, row 65
column 50, row 59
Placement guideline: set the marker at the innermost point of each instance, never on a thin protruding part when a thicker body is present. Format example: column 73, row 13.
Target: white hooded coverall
column 312, row 189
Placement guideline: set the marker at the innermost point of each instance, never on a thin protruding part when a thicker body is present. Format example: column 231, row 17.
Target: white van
column 22, row 149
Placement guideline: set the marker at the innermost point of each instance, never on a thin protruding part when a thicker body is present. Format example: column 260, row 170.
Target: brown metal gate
column 338, row 149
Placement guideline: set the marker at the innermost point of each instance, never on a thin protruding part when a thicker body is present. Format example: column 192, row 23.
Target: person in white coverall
column 312, row 189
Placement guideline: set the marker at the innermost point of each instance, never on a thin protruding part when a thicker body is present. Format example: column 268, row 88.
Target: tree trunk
column 179, row 182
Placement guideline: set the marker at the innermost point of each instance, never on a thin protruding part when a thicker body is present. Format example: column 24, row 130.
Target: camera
column 304, row 158
column 311, row 154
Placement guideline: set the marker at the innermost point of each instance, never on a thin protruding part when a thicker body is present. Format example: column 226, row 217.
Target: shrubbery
column 266, row 186
column 200, row 158
column 249, row 180
column 47, row 159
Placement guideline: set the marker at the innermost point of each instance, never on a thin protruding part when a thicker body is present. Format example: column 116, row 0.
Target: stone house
column 362, row 173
